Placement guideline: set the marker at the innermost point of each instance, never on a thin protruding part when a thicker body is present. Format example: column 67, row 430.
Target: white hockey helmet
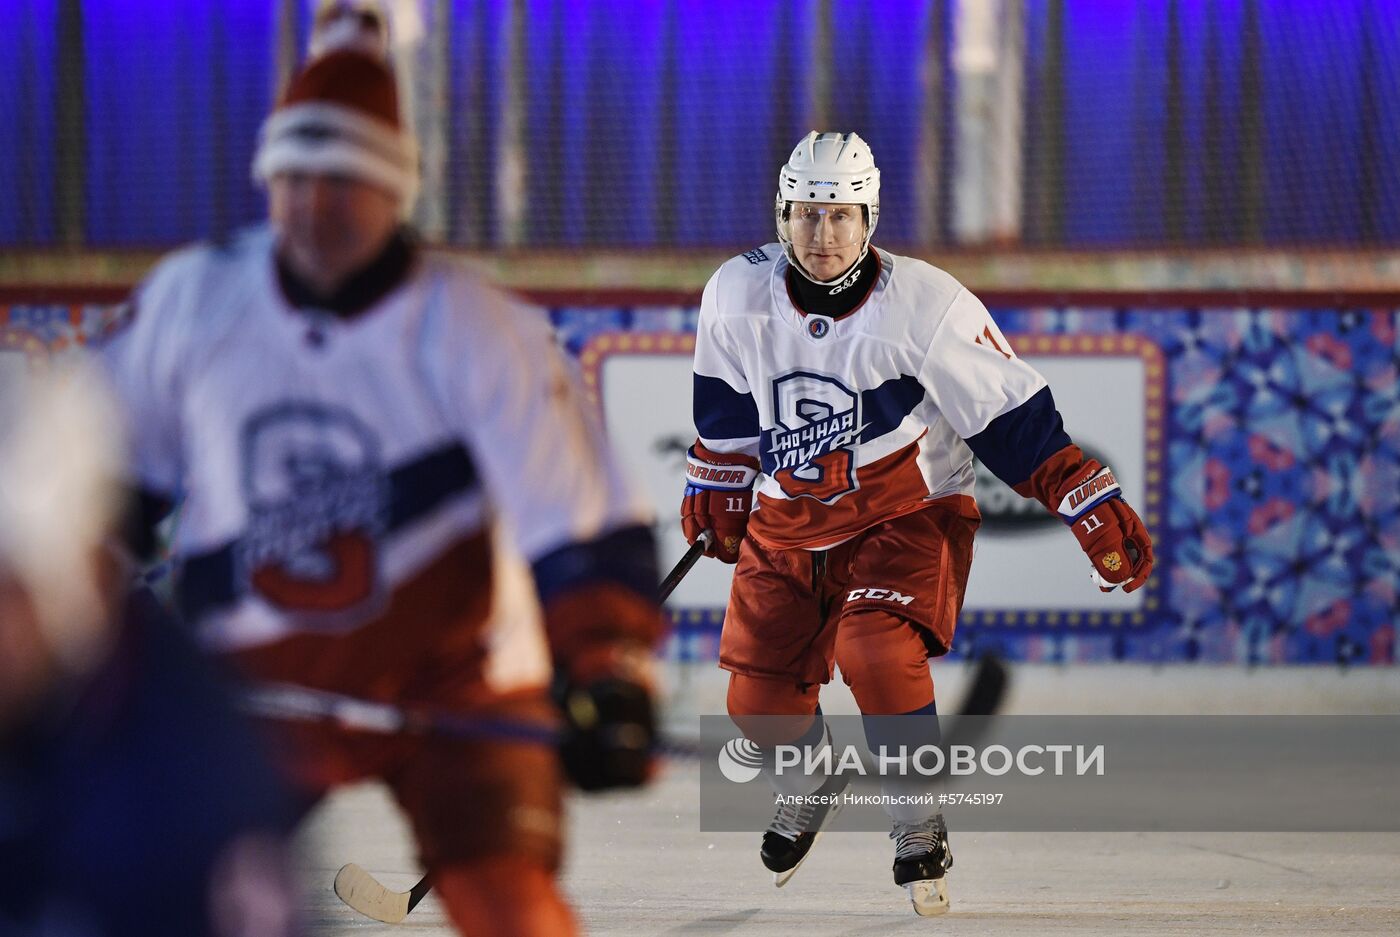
column 834, row 168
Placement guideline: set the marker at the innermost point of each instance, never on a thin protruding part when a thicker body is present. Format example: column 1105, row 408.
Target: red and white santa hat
column 350, row 24
column 340, row 114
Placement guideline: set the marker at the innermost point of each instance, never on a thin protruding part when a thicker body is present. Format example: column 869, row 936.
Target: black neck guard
column 837, row 300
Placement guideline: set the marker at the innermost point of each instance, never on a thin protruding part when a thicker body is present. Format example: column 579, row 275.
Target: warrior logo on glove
column 1091, row 502
column 718, row 497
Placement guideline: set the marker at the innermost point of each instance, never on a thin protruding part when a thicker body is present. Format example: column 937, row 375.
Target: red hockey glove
column 1110, row 531
column 601, row 636
column 609, row 718
column 718, row 497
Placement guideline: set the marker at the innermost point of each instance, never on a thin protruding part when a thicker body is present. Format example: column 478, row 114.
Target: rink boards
column 1262, row 446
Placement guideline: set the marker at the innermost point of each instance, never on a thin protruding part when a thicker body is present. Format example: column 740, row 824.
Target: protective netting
column 1141, row 123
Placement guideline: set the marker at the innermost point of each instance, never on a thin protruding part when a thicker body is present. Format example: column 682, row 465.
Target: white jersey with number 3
column 324, row 464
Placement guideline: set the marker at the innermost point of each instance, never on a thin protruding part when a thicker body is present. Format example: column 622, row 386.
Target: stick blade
column 361, row 892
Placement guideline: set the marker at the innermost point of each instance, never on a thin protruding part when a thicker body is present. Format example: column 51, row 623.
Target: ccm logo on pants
column 888, row 595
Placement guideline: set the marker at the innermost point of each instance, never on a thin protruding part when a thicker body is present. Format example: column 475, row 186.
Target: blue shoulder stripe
column 1015, row 444
column 626, row 557
column 721, row 412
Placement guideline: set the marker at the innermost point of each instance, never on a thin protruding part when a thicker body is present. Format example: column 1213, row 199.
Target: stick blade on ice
column 359, row 890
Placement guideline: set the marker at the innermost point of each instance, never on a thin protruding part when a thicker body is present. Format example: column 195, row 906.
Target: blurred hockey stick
column 363, row 893
column 289, row 703
column 984, row 697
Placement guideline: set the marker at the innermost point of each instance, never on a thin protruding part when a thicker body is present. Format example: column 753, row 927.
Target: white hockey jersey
column 324, row 463
column 858, row 419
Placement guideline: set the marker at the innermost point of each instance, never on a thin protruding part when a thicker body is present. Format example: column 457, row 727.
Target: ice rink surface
column 638, row 864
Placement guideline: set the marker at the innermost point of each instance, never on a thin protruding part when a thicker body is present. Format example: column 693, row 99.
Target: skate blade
column 929, row 898
column 781, row 878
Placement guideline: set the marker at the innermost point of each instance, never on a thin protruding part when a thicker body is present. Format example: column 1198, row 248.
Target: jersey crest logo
column 818, row 327
column 810, row 451
column 317, row 504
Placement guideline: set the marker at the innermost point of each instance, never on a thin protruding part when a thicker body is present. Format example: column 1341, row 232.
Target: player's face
column 330, row 226
column 826, row 239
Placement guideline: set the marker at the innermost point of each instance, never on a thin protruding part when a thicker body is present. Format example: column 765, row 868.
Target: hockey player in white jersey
column 349, row 422
column 840, row 394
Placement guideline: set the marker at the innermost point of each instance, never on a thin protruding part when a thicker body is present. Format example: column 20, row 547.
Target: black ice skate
column 921, row 859
column 796, row 828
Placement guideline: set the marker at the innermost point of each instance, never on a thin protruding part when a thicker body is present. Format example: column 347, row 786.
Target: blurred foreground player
column 854, row 387
column 133, row 801
column 351, row 423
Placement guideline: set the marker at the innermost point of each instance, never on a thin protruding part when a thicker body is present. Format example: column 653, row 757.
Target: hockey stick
column 984, row 696
column 363, row 893
column 289, row 703
column 674, row 577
